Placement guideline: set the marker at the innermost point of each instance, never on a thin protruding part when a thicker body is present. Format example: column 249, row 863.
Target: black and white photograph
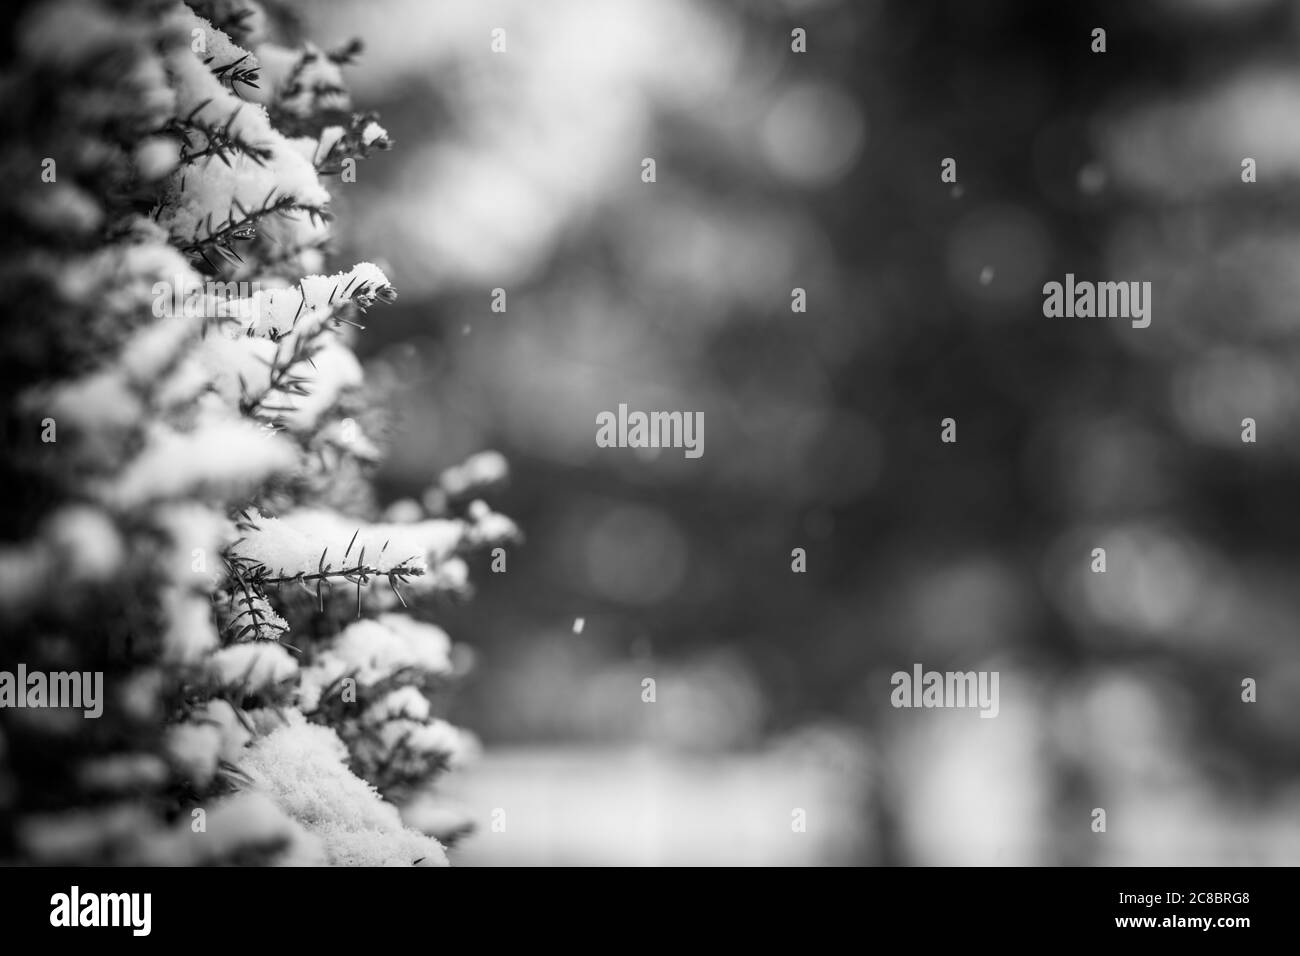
column 651, row 434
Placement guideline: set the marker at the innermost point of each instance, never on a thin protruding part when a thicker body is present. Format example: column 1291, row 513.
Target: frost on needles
column 185, row 422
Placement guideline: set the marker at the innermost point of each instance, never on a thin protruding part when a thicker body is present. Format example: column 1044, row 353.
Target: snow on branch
column 223, row 457
column 208, row 488
column 311, row 301
column 219, row 198
column 303, row 766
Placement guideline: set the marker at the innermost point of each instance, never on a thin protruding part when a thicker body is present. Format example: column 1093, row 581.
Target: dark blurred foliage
column 821, row 171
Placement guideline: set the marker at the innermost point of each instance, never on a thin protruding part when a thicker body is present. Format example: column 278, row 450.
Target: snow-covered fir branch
column 268, row 654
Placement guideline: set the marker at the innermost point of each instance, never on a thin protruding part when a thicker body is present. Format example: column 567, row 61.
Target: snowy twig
column 358, row 574
column 249, row 596
column 281, row 378
column 217, row 141
column 219, row 238
column 359, row 140
column 232, row 73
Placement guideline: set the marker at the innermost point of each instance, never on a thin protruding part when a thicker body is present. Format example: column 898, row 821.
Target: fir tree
column 188, row 444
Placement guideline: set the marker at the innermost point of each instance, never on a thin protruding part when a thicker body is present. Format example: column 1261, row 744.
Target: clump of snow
column 61, row 207
column 156, row 157
column 403, row 511
column 488, row 527
column 451, row 576
column 311, row 301
column 252, row 666
column 236, row 365
column 302, row 767
column 434, row 738
column 410, row 746
column 392, row 641
column 334, row 370
column 405, row 702
column 219, row 49
column 196, row 534
column 212, row 734
column 194, row 749
column 84, row 542
column 373, row 650
column 155, row 348
column 484, row 468
column 100, row 401
column 188, row 629
column 221, row 457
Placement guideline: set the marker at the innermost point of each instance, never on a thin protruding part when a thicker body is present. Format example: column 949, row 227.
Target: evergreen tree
column 189, row 442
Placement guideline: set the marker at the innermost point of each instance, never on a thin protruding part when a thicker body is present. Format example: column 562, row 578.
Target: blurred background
column 775, row 170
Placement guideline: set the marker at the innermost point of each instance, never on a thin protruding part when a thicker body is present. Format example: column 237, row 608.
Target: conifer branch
column 232, row 73
column 219, row 238
column 359, row 574
column 282, row 378
column 219, row 141
column 249, row 594
column 352, row 145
